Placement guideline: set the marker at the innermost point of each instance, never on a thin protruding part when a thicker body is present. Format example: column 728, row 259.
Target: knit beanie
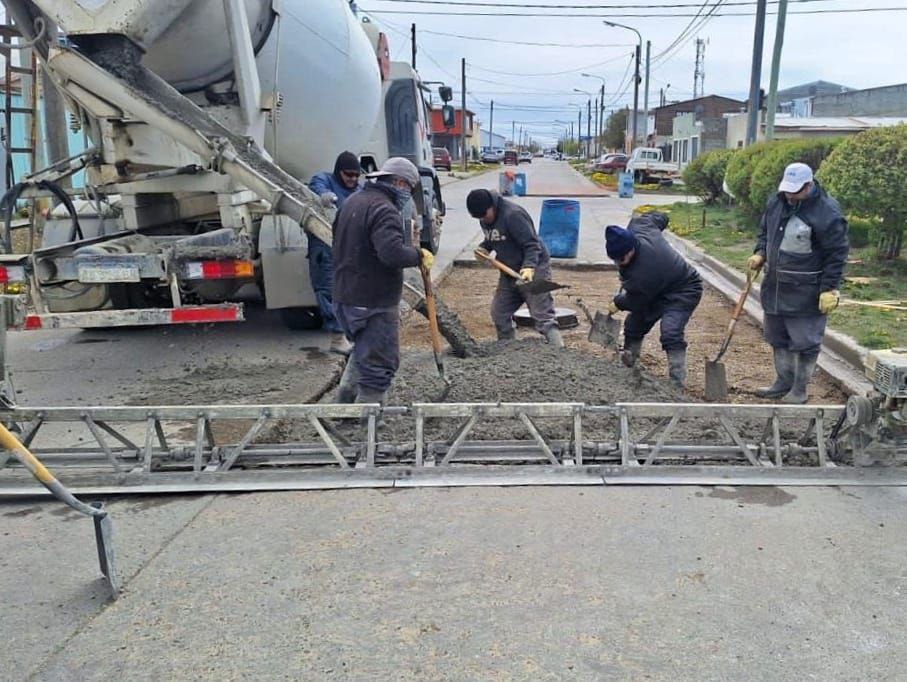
column 478, row 201
column 346, row 161
column 619, row 242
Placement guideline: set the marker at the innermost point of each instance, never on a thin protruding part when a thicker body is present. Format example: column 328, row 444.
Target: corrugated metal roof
column 838, row 122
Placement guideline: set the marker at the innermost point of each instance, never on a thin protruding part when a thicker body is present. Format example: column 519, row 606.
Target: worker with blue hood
column 656, row 284
column 333, row 189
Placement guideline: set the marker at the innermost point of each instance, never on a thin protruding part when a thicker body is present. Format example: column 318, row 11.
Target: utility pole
column 491, row 128
column 772, row 104
column 513, row 132
column 752, row 123
column 699, row 70
column 645, row 116
column 463, row 114
column 579, row 127
column 588, row 125
column 519, row 146
column 601, row 118
column 595, row 142
column 636, row 80
column 412, row 32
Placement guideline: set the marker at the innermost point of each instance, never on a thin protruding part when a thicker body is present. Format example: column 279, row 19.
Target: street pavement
column 502, row 583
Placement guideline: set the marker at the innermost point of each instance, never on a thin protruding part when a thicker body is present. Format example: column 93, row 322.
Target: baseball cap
column 795, row 176
column 402, row 168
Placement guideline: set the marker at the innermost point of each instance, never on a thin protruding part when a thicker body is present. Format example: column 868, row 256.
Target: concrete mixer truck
column 204, row 118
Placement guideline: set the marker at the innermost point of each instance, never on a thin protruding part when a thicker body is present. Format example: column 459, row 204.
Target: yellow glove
column 612, row 308
column 755, row 261
column 527, row 274
column 428, row 259
column 828, row 301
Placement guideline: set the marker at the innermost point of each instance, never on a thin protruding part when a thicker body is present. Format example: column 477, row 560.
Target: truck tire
column 301, row 319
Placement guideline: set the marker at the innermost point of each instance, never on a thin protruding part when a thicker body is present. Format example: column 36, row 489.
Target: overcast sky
column 857, row 49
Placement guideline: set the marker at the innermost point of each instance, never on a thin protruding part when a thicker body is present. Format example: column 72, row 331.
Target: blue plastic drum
column 506, row 182
column 519, row 185
column 625, row 185
column 559, row 227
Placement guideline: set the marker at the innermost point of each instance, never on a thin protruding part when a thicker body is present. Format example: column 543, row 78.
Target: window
column 695, row 148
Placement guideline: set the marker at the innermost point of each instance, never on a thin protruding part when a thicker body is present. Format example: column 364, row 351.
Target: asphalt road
column 500, row 583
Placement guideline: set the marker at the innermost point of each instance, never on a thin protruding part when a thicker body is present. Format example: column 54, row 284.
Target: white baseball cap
column 795, row 176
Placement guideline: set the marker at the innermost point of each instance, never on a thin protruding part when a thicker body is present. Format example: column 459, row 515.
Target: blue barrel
column 505, row 184
column 559, row 227
column 625, row 185
column 519, row 185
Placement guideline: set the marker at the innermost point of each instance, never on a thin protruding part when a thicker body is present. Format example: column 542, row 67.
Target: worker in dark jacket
column 332, row 189
column 510, row 233
column 370, row 253
column 803, row 246
column 656, row 284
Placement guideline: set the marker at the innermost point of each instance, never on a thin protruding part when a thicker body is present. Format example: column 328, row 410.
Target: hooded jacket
column 805, row 247
column 513, row 236
column 370, row 250
column 658, row 277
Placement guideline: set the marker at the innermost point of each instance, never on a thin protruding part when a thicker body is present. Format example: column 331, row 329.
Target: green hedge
column 740, row 171
column 705, row 174
column 769, row 167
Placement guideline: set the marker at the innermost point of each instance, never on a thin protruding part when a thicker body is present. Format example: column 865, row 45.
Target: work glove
column 428, row 259
column 328, row 200
column 756, row 261
column 612, row 308
column 828, row 301
column 526, row 274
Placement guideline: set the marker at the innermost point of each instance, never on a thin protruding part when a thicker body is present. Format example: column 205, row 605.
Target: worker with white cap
column 370, row 251
column 803, row 245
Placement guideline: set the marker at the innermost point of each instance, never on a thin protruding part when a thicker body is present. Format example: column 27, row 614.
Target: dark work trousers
column 508, row 298
column 321, row 275
column 375, row 333
column 796, row 334
column 673, row 324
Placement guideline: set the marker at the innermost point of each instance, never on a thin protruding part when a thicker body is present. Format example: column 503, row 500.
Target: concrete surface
column 576, row 583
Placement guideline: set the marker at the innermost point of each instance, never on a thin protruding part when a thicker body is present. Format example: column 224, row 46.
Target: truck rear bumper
column 137, row 317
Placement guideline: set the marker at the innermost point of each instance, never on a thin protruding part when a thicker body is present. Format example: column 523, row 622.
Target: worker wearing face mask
column 803, row 245
column 370, row 252
column 510, row 233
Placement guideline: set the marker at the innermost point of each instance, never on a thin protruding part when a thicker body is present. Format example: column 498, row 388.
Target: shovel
column 433, row 324
column 715, row 374
column 536, row 286
column 603, row 329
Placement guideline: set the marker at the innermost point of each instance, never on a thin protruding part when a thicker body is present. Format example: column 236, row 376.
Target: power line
column 862, row 10
column 468, row 3
column 551, row 73
column 521, row 42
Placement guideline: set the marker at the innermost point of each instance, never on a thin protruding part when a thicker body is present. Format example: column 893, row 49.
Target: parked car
column 525, row 157
column 492, row 156
column 648, row 165
column 611, row 163
column 511, row 158
column 441, row 158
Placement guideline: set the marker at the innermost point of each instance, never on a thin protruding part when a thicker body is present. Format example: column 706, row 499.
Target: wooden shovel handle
column 750, row 278
column 432, row 312
column 482, row 253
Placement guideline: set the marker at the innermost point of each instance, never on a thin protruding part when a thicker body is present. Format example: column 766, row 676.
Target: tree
column 704, row 175
column 867, row 174
column 616, row 129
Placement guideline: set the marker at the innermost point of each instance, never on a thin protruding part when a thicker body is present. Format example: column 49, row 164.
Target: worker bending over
column 803, row 246
column 510, row 232
column 370, row 253
column 656, row 284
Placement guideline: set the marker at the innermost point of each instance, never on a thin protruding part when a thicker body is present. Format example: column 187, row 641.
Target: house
column 788, row 127
column 709, row 111
column 449, row 138
column 888, row 100
column 692, row 136
column 492, row 140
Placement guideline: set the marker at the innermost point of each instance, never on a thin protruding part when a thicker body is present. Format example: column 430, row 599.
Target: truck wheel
column 301, row 319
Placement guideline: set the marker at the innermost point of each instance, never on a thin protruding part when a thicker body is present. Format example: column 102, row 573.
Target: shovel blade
column 715, row 381
column 540, row 286
column 605, row 330
column 103, row 534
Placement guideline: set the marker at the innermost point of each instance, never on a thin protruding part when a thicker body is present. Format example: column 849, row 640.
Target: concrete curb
column 842, row 357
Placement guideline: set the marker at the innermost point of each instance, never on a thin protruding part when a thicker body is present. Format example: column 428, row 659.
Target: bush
column 867, row 174
column 861, row 231
column 704, row 175
column 770, row 167
column 740, row 171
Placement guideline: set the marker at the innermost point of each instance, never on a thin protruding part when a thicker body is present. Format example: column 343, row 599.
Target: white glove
column 328, row 200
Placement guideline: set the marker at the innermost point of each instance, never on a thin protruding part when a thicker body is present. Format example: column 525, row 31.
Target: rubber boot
column 630, row 353
column 677, row 366
column 346, row 389
column 340, row 344
column 805, row 366
column 370, row 395
column 785, row 362
column 508, row 335
column 554, row 337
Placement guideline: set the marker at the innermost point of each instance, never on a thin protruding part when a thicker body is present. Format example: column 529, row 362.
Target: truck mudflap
column 136, row 317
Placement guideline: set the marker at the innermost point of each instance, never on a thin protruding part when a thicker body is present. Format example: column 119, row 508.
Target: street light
column 600, row 114
column 588, row 118
column 614, row 24
column 579, row 122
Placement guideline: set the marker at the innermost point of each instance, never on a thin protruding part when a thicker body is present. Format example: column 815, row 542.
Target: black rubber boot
column 508, row 335
column 677, row 366
column 554, row 337
column 370, row 395
column 630, row 353
column 346, row 389
column 785, row 363
column 805, row 366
